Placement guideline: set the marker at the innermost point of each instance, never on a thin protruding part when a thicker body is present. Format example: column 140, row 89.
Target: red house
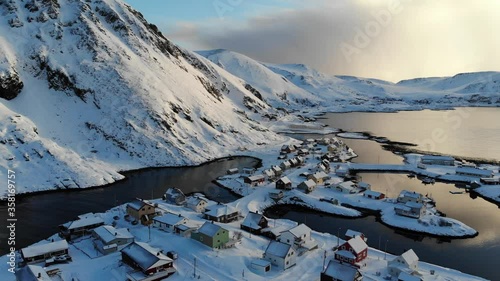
column 352, row 251
column 148, row 263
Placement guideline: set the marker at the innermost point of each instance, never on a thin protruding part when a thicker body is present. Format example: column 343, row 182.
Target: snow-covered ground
column 225, row 264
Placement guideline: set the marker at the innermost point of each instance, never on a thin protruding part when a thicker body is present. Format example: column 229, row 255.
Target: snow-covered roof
column 32, row 273
column 403, row 276
column 340, row 271
column 474, row 171
column 411, row 194
column 320, row 175
column 373, row 193
column 209, row 229
column 309, row 183
column 195, row 200
column 221, row 210
column 345, row 253
column 269, row 172
column 278, row 249
column 349, row 185
column 108, row 233
column 174, row 191
column 410, row 257
column 138, row 204
column 402, row 207
column 357, row 244
column 363, row 184
column 261, row 262
column 37, row 250
column 300, row 230
column 276, row 168
column 169, row 218
column 86, row 221
column 352, row 233
column 414, row 205
column 437, row 158
column 256, row 177
column 252, row 220
column 285, row 180
column 146, row 256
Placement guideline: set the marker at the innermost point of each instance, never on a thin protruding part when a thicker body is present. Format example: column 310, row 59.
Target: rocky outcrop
column 10, row 85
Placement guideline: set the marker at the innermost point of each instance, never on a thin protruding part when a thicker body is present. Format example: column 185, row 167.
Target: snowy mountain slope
column 353, row 93
column 90, row 88
column 274, row 88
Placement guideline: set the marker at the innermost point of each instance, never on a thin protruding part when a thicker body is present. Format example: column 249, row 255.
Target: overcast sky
column 386, row 39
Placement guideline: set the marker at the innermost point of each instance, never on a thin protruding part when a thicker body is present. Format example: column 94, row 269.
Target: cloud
column 387, row 39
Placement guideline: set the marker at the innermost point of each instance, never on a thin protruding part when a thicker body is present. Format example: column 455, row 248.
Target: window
column 287, row 262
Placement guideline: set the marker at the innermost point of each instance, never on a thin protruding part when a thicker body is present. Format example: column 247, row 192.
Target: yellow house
column 142, row 211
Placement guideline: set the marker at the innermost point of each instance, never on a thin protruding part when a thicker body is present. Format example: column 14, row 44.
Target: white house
column 41, row 252
column 269, row 174
column 196, row 203
column 285, row 165
column 409, row 196
column 307, row 186
column 169, row 221
column 318, row 177
column 260, row 265
column 277, row 170
column 281, row 255
column 407, row 262
column 410, row 209
column 346, row 187
column 299, row 237
column 108, row 239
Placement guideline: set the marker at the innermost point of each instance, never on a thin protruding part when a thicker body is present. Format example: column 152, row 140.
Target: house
column 212, row 235
column 41, row 252
column 336, row 271
column 196, row 203
column 342, row 172
column 285, row 165
column 310, row 141
column 491, row 181
column 254, row 223
column 248, row 171
column 300, row 159
column 299, row 237
column 473, row 172
column 284, row 183
column 255, row 180
column 142, row 211
column 269, row 174
column 148, row 263
column 374, row 195
column 324, row 141
column 410, row 209
column 307, row 186
column 260, row 265
column 353, row 251
column 403, row 276
column 232, row 171
column 321, row 167
column 32, row 273
column 175, row 196
column 303, row 151
column 281, row 255
column 221, row 213
column 332, row 148
column 346, row 187
column 349, row 234
column 409, row 196
column 273, row 232
column 364, row 185
column 437, row 160
column 288, row 148
column 80, row 227
column 330, row 157
column 318, row 177
column 108, row 239
column 407, row 262
column 276, row 195
column 294, row 162
column 169, row 221
column 277, row 170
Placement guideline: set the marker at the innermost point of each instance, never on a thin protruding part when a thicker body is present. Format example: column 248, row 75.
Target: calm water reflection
column 39, row 215
column 470, row 132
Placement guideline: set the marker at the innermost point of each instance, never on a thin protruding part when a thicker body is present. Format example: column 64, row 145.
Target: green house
column 212, row 235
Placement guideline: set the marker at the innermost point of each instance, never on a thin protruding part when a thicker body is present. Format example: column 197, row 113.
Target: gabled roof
column 474, row 171
column 373, row 193
column 269, row 172
column 209, row 229
column 31, row 273
column 108, row 233
column 195, row 200
column 340, row 271
column 300, row 230
column 37, row 250
column 278, row 249
column 320, row 175
column 85, row 221
column 414, row 205
column 309, row 183
column 357, row 244
column 252, row 220
column 410, row 257
column 221, row 210
column 403, row 276
column 406, row 193
column 146, row 256
column 285, row 180
column 276, row 168
column 138, row 204
column 170, row 219
column 174, row 191
column 352, row 233
column 256, row 178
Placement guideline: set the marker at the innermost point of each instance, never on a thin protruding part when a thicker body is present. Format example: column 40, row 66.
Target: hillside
column 90, row 88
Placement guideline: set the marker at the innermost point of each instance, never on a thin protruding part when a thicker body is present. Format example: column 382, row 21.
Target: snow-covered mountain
column 90, row 88
column 353, row 93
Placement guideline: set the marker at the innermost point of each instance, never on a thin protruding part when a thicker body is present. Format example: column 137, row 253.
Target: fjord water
column 38, row 216
column 469, row 131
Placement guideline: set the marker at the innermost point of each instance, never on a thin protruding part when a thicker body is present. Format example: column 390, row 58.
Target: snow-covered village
column 239, row 140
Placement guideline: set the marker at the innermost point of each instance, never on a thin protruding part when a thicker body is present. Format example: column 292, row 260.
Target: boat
column 411, row 176
column 428, row 180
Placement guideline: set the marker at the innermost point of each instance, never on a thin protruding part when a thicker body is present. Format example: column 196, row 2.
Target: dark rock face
column 10, row 85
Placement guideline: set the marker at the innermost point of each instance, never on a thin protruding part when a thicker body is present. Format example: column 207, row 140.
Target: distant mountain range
column 90, row 88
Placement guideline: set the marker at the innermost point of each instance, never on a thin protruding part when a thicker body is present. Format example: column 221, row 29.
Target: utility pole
column 194, row 274
column 338, row 237
column 324, row 260
column 385, row 250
